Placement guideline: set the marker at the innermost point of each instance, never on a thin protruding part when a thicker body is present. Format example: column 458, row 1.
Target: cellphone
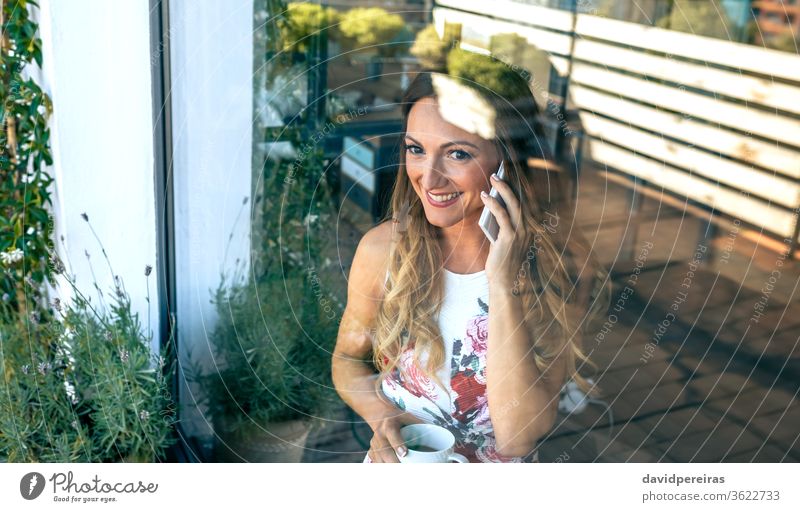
column 488, row 222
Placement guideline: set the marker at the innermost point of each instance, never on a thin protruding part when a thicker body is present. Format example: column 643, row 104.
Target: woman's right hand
column 387, row 444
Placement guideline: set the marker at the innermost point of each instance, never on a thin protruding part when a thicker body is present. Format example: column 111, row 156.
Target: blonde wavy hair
column 558, row 266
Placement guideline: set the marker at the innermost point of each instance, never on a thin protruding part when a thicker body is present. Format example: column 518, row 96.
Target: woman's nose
column 433, row 178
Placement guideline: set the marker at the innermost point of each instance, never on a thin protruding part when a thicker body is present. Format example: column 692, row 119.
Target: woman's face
column 443, row 159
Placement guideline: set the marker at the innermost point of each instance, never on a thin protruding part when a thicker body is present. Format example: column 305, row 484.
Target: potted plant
column 430, row 49
column 301, row 20
column 270, row 383
column 375, row 31
column 269, row 380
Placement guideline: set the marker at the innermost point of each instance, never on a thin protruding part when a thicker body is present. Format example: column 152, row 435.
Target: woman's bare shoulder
column 377, row 241
column 372, row 256
column 364, row 292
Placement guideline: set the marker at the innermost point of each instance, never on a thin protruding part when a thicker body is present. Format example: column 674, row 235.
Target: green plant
column 515, row 50
column 85, row 387
column 430, row 49
column 487, row 71
column 707, row 19
column 301, row 20
column 372, row 27
column 25, row 224
column 271, row 354
column 79, row 382
column 274, row 334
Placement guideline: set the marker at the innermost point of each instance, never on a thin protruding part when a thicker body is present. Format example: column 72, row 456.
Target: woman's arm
column 522, row 400
column 353, row 375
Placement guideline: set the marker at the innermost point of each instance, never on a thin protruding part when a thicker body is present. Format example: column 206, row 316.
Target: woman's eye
column 413, row 149
column 460, row 154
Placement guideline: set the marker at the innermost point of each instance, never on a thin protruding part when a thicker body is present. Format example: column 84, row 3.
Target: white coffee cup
column 441, row 440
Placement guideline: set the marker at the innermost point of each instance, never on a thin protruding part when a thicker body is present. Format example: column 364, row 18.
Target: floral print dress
column 462, row 407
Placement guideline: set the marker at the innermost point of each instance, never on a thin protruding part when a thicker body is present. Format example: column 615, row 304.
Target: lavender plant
column 84, row 384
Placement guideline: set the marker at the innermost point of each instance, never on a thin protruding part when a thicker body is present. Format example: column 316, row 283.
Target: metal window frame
column 183, row 450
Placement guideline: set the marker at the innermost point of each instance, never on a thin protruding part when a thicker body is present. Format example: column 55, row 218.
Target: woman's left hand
column 506, row 254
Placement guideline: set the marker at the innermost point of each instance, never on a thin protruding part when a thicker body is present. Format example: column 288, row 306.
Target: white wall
column 97, row 71
column 212, row 100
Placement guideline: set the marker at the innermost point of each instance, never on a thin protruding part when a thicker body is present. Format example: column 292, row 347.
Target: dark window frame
column 183, row 450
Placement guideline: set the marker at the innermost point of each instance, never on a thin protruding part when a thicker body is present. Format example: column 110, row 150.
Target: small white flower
column 26, row 368
column 70, row 389
column 310, row 219
column 11, row 257
column 30, row 230
column 43, row 367
column 64, row 351
column 144, row 415
column 123, row 355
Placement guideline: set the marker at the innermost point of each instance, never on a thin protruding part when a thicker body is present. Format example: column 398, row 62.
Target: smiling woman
column 473, row 336
column 448, row 166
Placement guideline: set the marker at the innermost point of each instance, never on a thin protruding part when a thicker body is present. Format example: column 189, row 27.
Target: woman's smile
column 443, row 200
